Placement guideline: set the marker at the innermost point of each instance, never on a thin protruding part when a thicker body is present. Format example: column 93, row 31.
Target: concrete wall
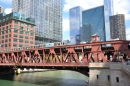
column 109, row 74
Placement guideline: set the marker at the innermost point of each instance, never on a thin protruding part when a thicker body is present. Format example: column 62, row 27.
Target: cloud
column 8, row 10
column 86, row 4
column 122, row 7
column 66, row 25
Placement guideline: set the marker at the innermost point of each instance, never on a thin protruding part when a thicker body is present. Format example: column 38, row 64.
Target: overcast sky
column 120, row 7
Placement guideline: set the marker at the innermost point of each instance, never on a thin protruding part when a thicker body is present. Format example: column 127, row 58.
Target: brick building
column 16, row 31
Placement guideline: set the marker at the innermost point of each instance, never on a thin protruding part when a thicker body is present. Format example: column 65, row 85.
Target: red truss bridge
column 73, row 57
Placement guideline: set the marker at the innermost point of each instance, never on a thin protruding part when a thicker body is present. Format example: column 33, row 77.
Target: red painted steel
column 78, row 55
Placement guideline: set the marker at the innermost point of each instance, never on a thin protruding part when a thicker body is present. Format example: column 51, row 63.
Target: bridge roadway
column 68, row 56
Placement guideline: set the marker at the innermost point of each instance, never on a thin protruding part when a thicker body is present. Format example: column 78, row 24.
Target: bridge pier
column 5, row 70
column 109, row 74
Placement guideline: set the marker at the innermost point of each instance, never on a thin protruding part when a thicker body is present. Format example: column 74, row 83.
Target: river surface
column 45, row 78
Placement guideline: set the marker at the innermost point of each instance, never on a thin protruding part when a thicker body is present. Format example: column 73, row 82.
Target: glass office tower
column 98, row 20
column 75, row 17
column 108, row 4
column 47, row 15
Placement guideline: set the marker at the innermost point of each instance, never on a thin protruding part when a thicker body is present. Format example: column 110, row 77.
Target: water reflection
column 45, row 78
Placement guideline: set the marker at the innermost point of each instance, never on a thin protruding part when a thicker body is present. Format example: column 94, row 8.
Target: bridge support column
column 109, row 74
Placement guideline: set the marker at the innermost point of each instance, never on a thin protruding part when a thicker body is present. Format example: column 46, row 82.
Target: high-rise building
column 75, row 18
column 47, row 15
column 117, row 27
column 98, row 20
column 16, row 31
column 108, row 5
column 1, row 9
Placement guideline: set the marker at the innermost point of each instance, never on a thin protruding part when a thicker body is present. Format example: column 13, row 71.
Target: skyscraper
column 108, row 4
column 47, row 15
column 1, row 9
column 98, row 21
column 75, row 17
column 117, row 26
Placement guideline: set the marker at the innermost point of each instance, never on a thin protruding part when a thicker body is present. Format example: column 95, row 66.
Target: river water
column 45, row 78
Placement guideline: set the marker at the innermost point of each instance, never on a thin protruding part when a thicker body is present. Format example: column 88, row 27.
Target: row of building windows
column 16, row 22
column 16, row 27
column 23, row 24
column 16, row 35
column 14, row 45
column 20, row 32
column 15, row 40
column 6, row 23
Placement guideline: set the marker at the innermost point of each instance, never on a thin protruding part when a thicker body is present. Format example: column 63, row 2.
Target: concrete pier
column 109, row 74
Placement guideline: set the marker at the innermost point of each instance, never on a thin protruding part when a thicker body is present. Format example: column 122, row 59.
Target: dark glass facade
column 95, row 21
column 86, row 32
column 75, row 17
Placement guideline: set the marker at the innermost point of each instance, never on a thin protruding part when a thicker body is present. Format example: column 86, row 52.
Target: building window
column 16, row 22
column 108, row 77
column 21, row 32
column 3, row 28
column 2, row 46
column 15, row 31
column 6, row 27
column 31, row 42
column 6, row 40
column 2, row 41
column 20, row 45
column 97, row 76
column 2, row 37
column 2, row 32
column 9, row 40
column 15, row 26
column 31, row 38
column 9, row 45
column 27, row 29
column 15, row 35
column 21, row 28
column 15, row 40
column 26, row 33
column 20, row 40
column 32, row 34
column 117, row 79
column 6, row 36
column 20, row 36
column 15, row 45
column 26, row 41
column 22, row 24
column 26, row 37
column 5, row 45
column 6, row 31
